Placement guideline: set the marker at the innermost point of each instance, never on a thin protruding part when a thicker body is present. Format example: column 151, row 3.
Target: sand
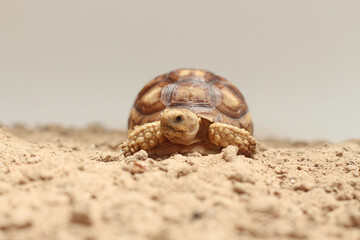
column 58, row 183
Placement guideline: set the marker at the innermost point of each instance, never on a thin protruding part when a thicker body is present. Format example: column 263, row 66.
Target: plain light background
column 77, row 62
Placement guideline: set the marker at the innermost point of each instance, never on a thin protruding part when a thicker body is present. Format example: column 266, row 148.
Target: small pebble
column 229, row 153
column 80, row 215
column 141, row 155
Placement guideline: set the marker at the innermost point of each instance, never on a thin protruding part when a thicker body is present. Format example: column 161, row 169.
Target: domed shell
column 209, row 96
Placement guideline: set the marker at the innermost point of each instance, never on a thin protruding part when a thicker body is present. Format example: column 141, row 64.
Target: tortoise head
column 180, row 126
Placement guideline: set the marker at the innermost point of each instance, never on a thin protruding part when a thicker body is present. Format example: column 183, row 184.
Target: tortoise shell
column 202, row 92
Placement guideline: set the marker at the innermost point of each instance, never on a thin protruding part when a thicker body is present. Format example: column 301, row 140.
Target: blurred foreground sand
column 58, row 183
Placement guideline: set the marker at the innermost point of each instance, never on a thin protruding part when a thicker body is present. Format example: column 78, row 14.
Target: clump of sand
column 58, row 183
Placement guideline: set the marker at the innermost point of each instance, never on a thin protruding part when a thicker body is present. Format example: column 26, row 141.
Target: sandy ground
column 58, row 183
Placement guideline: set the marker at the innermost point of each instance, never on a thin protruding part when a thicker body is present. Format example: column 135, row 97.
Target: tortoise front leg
column 223, row 135
column 144, row 137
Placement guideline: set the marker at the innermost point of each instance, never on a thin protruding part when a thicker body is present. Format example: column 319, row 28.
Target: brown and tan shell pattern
column 209, row 96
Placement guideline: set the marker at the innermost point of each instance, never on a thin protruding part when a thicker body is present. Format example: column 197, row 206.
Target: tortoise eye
column 179, row 119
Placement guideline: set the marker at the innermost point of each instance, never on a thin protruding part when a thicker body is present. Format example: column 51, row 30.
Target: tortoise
column 189, row 110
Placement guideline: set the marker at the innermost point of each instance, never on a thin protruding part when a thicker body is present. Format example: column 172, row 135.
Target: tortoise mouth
column 166, row 127
column 172, row 134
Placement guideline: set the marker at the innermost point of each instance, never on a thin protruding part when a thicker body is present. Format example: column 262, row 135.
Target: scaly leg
column 223, row 135
column 144, row 137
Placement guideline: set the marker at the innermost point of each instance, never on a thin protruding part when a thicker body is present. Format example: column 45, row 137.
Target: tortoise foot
column 223, row 135
column 144, row 137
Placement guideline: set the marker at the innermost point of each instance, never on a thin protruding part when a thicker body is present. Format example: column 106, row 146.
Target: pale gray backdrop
column 79, row 62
